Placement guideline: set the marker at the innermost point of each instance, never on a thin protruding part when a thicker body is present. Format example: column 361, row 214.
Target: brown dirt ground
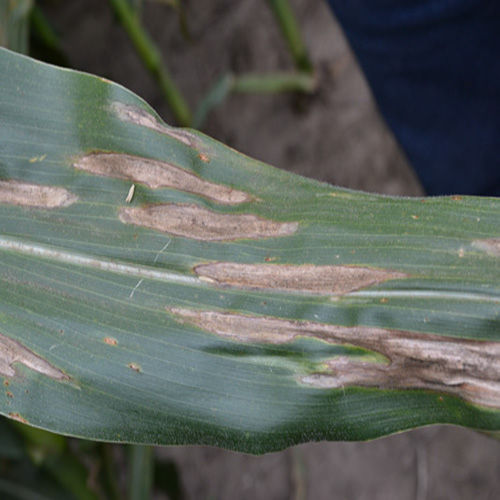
column 336, row 135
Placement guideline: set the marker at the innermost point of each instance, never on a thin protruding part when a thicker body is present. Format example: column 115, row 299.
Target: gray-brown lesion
column 138, row 116
column 490, row 245
column 13, row 192
column 309, row 278
column 466, row 368
column 195, row 222
column 12, row 352
column 158, row 174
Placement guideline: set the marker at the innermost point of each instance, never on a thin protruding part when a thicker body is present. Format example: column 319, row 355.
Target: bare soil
column 335, row 135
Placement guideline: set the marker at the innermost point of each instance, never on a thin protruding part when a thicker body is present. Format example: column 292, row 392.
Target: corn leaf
column 159, row 287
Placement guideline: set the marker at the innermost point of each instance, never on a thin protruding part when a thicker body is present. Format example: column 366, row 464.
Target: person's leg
column 434, row 69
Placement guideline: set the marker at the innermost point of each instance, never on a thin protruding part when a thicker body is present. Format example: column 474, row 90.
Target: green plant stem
column 273, row 83
column 140, row 472
column 215, row 96
column 71, row 474
column 183, row 22
column 43, row 29
column 136, row 6
column 151, row 58
column 290, row 29
column 14, row 24
column 179, row 9
column 50, row 451
column 108, row 472
column 46, row 40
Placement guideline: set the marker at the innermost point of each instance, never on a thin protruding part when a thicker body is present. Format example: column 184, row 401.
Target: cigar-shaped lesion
column 14, row 192
column 12, row 352
column 157, row 174
column 490, row 245
column 308, row 278
column 466, row 368
column 138, row 116
column 199, row 223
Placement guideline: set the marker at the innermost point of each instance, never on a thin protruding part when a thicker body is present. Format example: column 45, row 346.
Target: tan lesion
column 138, row 116
column 466, row 368
column 12, row 352
column 13, row 192
column 193, row 221
column 309, row 278
column 158, row 174
column 491, row 246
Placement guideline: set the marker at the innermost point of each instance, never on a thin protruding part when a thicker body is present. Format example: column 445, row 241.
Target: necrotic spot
column 466, row 368
column 12, row 352
column 490, row 246
column 14, row 192
column 192, row 221
column 133, row 114
column 335, row 280
column 157, row 174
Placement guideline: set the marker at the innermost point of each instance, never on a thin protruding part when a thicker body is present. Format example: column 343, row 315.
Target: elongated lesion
column 14, row 192
column 490, row 245
column 196, row 222
column 138, row 116
column 309, row 278
column 466, row 368
column 158, row 174
column 12, row 352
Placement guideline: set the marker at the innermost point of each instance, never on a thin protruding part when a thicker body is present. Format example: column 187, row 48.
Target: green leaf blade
column 150, row 351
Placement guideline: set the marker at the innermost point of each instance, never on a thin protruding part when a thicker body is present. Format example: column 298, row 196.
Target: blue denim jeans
column 434, row 69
